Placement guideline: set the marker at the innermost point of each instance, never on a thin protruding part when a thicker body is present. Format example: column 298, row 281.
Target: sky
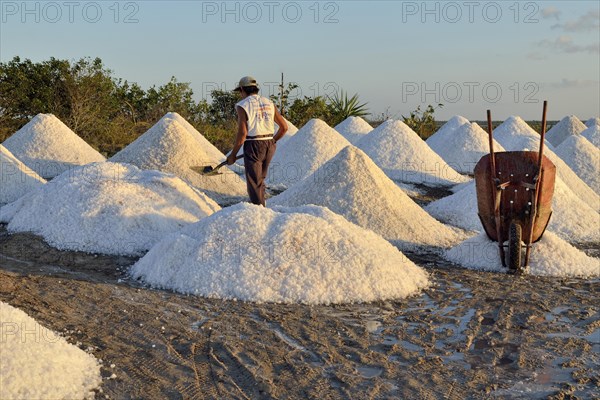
column 470, row 56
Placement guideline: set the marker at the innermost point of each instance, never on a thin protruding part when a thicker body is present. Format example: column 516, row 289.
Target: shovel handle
column 225, row 162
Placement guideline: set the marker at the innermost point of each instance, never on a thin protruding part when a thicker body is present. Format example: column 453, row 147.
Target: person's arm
column 283, row 127
column 242, row 131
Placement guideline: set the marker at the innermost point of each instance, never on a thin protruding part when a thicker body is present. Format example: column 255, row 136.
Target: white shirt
column 261, row 116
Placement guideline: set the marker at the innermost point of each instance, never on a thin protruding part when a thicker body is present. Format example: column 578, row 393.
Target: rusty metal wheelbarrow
column 514, row 198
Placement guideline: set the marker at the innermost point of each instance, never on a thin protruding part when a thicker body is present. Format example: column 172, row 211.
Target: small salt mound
column 563, row 171
column 37, row 363
column 208, row 148
column 353, row 128
column 16, row 178
column 313, row 145
column 572, row 219
column 292, row 130
column 404, row 156
column 592, row 122
column 350, row 184
column 551, row 256
column 49, row 147
column 512, row 130
column 108, row 208
column 583, row 158
column 458, row 209
column 438, row 139
column 568, row 126
column 169, row 147
column 463, row 148
column 292, row 255
column 592, row 134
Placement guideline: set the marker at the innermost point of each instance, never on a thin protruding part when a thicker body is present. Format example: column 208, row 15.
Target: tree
column 342, row 107
column 27, row 89
column 422, row 122
column 222, row 108
column 92, row 97
column 174, row 96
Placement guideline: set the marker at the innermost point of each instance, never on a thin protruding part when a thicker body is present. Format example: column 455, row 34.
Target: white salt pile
column 463, row 147
column 353, row 128
column 511, row 132
column 207, row 147
column 568, row 126
column 438, row 139
column 583, row 158
column 169, row 147
column 404, row 156
column 592, row 121
column 551, row 256
column 292, row 130
column 16, row 178
column 592, row 134
column 49, row 147
column 37, row 363
column 313, row 145
column 350, row 184
column 572, row 219
column 108, row 208
column 291, row 255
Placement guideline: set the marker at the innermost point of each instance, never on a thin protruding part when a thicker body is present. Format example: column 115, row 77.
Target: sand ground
column 471, row 335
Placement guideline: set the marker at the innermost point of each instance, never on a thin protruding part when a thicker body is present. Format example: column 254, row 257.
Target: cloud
column 586, row 23
column 566, row 83
column 536, row 55
column 550, row 12
column 565, row 44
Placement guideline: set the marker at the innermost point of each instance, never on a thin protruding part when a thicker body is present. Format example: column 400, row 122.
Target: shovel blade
column 205, row 170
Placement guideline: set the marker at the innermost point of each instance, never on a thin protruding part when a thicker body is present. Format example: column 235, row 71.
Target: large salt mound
column 592, row 134
column 563, row 171
column 350, row 184
column 292, row 255
column 313, row 145
column 353, row 128
column 169, row 147
column 583, row 158
column 568, row 126
column 108, row 208
column 463, row 148
column 572, row 219
column 404, row 156
column 16, row 178
column 438, row 139
column 512, row 130
column 592, row 122
column 551, row 256
column 49, row 147
column 37, row 363
column 207, row 147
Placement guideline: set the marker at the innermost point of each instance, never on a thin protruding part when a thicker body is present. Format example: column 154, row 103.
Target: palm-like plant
column 342, row 107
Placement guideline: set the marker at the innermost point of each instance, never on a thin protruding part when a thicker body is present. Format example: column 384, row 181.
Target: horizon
column 537, row 50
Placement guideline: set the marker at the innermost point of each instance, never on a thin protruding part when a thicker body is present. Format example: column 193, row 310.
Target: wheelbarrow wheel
column 514, row 247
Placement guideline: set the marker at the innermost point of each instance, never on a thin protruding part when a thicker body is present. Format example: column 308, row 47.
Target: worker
column 256, row 118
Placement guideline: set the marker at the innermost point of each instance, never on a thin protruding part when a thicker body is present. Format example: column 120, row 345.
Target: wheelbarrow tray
column 515, row 172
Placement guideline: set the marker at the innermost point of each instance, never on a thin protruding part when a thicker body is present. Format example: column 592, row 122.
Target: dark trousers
column 257, row 156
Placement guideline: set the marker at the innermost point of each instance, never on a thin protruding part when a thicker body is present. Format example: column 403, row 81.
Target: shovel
column 209, row 169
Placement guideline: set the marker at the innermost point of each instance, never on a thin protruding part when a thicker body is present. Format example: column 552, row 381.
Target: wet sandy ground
column 471, row 335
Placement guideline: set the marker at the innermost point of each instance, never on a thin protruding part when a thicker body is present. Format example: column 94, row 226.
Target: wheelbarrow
column 514, row 198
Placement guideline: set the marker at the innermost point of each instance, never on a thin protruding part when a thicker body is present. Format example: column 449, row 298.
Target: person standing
column 256, row 118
